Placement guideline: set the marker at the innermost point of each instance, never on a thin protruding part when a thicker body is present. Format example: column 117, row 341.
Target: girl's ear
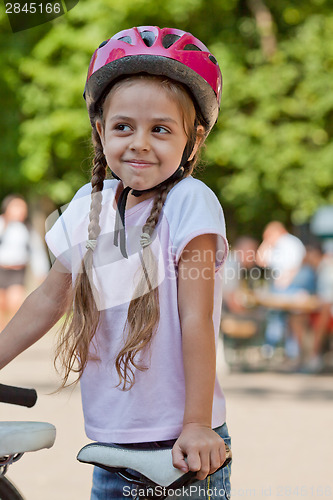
column 100, row 131
column 198, row 141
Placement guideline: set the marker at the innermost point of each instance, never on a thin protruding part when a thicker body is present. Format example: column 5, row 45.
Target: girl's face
column 143, row 134
column 17, row 211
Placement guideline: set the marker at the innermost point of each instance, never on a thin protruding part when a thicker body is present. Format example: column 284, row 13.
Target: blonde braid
column 81, row 323
column 159, row 201
column 144, row 312
column 97, row 181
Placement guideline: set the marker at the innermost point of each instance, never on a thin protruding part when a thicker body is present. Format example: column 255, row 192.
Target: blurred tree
column 272, row 151
column 270, row 154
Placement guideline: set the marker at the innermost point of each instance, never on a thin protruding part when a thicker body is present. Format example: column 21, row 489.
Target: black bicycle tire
column 8, row 490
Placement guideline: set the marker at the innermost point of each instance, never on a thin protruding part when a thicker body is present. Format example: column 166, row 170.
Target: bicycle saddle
column 20, row 437
column 154, row 465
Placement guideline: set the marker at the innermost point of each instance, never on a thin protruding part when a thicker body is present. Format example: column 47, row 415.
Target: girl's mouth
column 139, row 164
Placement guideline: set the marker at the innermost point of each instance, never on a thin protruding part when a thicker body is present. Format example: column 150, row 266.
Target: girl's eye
column 122, row 127
column 160, row 130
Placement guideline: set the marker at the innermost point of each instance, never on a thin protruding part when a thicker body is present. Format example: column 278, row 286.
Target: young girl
column 144, row 253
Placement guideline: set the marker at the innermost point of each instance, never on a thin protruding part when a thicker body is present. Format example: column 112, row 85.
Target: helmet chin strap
column 119, row 230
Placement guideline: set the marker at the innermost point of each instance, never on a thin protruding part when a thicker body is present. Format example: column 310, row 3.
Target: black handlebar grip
column 17, row 395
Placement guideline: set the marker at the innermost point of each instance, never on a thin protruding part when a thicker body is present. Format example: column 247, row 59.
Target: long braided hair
column 81, row 322
column 82, row 319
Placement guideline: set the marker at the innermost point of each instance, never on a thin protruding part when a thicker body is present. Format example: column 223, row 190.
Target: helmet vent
column 212, row 58
column 148, row 37
column 103, row 43
column 169, row 40
column 126, row 39
column 190, row 46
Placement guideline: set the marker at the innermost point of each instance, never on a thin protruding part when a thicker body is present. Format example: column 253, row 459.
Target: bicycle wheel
column 8, row 490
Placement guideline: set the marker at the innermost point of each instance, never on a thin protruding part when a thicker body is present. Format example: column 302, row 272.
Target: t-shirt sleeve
column 193, row 210
column 63, row 238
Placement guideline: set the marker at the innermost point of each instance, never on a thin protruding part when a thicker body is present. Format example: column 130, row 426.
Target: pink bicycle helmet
column 169, row 52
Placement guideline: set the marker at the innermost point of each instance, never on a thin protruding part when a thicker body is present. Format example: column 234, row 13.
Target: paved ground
column 282, row 428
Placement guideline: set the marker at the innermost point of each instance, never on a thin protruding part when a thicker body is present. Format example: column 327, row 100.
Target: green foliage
column 270, row 155
column 274, row 141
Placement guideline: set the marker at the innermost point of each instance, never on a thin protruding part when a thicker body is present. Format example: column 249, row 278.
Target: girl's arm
column 203, row 447
column 38, row 313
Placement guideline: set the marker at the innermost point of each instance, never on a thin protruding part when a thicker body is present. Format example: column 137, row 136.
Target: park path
column 281, row 425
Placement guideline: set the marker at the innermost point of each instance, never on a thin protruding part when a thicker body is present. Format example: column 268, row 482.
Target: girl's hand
column 203, row 448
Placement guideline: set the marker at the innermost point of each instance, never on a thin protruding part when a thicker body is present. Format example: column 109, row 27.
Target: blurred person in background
column 241, row 275
column 321, row 225
column 283, row 254
column 304, row 295
column 323, row 320
column 20, row 246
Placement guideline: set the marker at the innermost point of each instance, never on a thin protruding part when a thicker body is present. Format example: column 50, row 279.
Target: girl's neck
column 131, row 200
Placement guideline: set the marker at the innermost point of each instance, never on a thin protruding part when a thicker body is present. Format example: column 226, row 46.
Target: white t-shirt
column 20, row 246
column 287, row 254
column 153, row 408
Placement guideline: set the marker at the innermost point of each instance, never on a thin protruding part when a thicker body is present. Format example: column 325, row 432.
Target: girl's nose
column 140, row 142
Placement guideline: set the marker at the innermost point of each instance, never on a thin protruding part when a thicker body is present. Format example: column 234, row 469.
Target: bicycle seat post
column 6, row 461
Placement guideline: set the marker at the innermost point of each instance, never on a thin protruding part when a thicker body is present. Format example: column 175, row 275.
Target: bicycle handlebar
column 17, row 396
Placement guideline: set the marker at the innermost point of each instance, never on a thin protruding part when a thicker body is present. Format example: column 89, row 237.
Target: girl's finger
column 204, row 467
column 178, row 459
column 194, row 461
column 222, row 453
column 215, row 460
